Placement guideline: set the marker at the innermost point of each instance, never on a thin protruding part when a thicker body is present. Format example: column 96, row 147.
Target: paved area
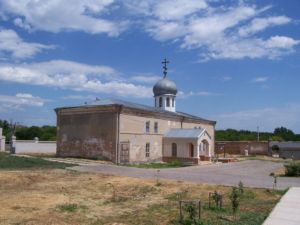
column 253, row 173
column 287, row 211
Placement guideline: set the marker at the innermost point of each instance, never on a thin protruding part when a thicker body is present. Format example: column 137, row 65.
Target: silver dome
column 164, row 86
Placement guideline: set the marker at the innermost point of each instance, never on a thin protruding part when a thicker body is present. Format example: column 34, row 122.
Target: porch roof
column 184, row 133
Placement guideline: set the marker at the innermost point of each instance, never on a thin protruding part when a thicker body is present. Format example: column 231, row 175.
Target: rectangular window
column 148, row 127
column 147, row 150
column 156, row 127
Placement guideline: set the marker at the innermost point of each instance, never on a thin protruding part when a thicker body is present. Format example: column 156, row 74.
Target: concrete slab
column 287, row 211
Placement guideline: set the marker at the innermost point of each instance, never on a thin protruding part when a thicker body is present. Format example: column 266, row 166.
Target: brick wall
column 239, row 147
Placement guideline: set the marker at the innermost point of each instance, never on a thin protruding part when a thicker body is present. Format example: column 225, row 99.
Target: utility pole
column 257, row 133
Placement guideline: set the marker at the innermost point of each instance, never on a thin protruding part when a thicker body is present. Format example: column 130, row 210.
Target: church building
column 126, row 132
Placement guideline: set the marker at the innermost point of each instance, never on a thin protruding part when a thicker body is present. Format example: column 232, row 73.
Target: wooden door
column 124, row 156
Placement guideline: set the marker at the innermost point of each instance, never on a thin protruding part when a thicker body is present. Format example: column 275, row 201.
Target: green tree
column 284, row 133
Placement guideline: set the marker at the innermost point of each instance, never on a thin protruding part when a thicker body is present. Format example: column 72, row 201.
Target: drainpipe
column 181, row 121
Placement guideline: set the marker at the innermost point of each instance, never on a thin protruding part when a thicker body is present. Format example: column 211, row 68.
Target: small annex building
column 126, row 132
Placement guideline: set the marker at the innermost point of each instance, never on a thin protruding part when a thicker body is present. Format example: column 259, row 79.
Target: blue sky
column 236, row 62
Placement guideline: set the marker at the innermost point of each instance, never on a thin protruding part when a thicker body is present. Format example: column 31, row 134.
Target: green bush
column 292, row 169
column 175, row 163
column 235, row 199
column 68, row 207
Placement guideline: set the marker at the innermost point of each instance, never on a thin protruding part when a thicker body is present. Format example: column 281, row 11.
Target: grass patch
column 8, row 161
column 70, row 207
column 172, row 164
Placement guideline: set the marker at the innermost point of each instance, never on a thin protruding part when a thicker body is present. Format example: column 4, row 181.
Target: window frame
column 156, row 127
column 174, row 149
column 160, row 102
column 147, row 150
column 147, row 127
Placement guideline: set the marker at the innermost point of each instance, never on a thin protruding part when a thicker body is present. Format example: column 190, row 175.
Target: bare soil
column 58, row 196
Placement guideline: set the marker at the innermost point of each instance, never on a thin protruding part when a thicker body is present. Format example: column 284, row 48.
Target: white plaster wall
column 210, row 151
column 183, row 150
column 2, row 141
column 164, row 102
column 32, row 147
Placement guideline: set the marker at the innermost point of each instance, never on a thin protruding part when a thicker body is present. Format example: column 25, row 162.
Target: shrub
column 292, row 169
column 275, row 149
column 241, row 187
column 235, row 199
column 217, row 198
column 68, row 207
column 175, row 163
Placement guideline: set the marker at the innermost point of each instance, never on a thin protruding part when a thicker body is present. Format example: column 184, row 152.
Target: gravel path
column 253, row 173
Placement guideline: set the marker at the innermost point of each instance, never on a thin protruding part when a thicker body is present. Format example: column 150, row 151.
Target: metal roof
column 144, row 107
column 108, row 102
column 164, row 86
column 184, row 133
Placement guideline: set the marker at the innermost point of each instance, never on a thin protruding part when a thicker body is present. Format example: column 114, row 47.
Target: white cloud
column 266, row 118
column 20, row 100
column 281, row 42
column 261, row 79
column 13, row 46
column 167, row 9
column 217, row 32
column 226, row 78
column 147, row 79
column 236, row 48
column 182, row 94
column 177, row 9
column 74, row 76
column 225, row 31
column 259, row 24
column 59, row 15
column 79, row 97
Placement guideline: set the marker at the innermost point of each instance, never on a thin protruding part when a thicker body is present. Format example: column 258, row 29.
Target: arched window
column 160, row 101
column 173, row 102
column 174, row 150
column 168, row 102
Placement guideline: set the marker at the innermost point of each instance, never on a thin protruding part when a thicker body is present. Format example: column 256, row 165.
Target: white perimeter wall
column 33, row 147
column 2, row 141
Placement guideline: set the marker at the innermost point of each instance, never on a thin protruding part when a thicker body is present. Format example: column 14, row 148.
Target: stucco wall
column 87, row 134
column 182, row 147
column 2, row 141
column 32, row 147
column 210, row 130
column 290, row 153
column 133, row 130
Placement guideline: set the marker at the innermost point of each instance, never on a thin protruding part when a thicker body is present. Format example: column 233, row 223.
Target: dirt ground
column 66, row 197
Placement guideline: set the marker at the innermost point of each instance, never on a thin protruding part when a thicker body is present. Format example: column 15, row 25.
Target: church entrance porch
column 187, row 145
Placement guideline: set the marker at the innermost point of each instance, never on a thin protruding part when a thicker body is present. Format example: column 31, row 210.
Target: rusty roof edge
column 162, row 112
